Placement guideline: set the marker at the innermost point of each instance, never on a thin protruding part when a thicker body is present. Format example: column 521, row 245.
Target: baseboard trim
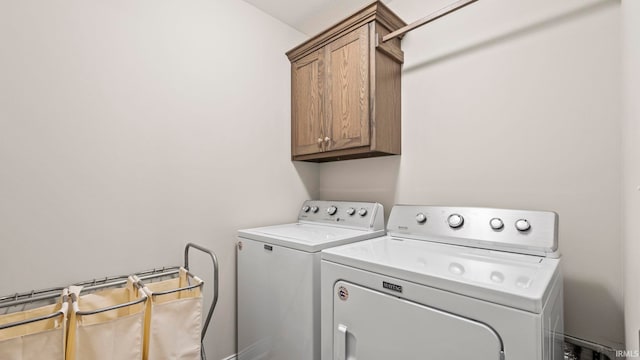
column 231, row 357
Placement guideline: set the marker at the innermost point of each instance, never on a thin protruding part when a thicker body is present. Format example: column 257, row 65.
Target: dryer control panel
column 361, row 215
column 519, row 231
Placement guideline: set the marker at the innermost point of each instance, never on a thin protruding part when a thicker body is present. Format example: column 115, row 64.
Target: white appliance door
column 278, row 314
column 370, row 325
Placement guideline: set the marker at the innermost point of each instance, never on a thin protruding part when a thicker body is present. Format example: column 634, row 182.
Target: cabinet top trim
column 376, row 11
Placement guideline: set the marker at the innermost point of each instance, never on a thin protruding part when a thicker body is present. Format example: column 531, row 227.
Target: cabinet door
column 347, row 90
column 306, row 110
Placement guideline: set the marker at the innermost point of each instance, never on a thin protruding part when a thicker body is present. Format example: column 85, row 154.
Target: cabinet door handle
column 327, row 139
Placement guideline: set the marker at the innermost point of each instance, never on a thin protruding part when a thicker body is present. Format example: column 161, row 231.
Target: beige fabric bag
column 40, row 340
column 174, row 321
column 110, row 335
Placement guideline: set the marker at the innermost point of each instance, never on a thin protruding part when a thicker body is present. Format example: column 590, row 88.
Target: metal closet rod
column 429, row 18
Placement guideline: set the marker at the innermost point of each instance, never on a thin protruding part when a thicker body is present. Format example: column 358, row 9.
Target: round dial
column 362, row 212
column 523, row 225
column 351, row 211
column 331, row 210
column 455, row 220
column 306, row 208
column 314, row 209
column 456, row 268
column 421, row 218
column 497, row 277
column 496, row 223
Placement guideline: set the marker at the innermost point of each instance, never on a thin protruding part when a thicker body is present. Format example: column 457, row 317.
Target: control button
column 362, row 212
column 456, row 268
column 523, row 282
column 422, row 261
column 455, row 220
column 331, row 210
column 523, row 225
column 306, row 208
column 314, row 209
column 421, row 218
column 497, row 277
column 351, row 211
column 496, row 224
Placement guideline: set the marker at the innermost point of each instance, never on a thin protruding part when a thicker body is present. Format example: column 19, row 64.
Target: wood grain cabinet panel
column 307, row 106
column 345, row 90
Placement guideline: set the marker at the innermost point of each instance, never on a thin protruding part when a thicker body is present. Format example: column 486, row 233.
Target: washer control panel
column 343, row 213
column 520, row 231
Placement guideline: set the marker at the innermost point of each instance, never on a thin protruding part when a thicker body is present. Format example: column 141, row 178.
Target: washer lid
column 307, row 237
column 514, row 280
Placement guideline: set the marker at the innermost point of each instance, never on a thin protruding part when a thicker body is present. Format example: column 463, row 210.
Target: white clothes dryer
column 453, row 283
column 278, row 294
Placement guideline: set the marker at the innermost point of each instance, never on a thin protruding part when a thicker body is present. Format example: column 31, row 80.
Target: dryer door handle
column 340, row 341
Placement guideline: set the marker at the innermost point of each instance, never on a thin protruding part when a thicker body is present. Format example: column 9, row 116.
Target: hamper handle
column 62, row 312
column 74, row 302
column 214, row 261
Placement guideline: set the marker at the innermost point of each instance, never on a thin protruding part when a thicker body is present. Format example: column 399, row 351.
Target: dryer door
column 370, row 325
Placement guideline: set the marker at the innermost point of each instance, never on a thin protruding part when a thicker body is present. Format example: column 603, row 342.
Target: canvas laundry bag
column 39, row 340
column 108, row 335
column 174, row 321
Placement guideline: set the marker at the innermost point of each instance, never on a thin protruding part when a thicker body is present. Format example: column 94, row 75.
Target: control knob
column 351, row 211
column 496, row 223
column 314, row 209
column 421, row 218
column 455, row 221
column 306, row 208
column 362, row 212
column 523, row 225
column 331, row 210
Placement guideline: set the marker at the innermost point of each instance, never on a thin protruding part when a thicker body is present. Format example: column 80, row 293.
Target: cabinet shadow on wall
column 309, row 176
column 371, row 180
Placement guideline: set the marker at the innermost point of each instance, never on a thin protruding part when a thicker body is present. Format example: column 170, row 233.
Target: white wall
column 631, row 177
column 515, row 105
column 128, row 128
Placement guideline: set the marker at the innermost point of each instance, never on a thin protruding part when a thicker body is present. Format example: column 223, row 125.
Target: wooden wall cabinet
column 345, row 89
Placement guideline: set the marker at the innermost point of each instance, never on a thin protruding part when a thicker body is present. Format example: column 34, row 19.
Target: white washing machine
column 453, row 283
column 278, row 293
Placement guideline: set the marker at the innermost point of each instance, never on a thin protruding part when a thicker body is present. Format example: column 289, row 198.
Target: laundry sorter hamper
column 174, row 328
column 38, row 333
column 107, row 324
column 152, row 315
column 174, row 317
